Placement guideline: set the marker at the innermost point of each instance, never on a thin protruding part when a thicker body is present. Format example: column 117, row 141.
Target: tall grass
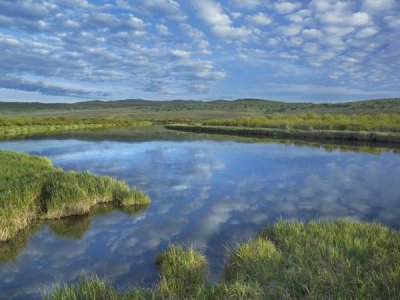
column 18, row 126
column 311, row 121
column 313, row 135
column 183, row 272
column 319, row 260
column 31, row 188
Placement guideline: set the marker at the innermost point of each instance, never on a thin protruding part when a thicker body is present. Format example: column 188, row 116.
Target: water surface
column 205, row 192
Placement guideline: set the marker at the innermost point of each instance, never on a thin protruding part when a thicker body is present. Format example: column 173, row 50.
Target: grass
column 158, row 110
column 363, row 122
column 31, row 188
column 22, row 126
column 298, row 134
column 366, row 120
column 320, row 260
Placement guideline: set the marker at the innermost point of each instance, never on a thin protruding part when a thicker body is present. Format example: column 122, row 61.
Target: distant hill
column 239, row 105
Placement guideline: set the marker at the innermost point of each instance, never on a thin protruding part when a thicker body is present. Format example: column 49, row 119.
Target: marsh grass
column 22, row 126
column 380, row 122
column 183, row 272
column 320, row 260
column 299, row 134
column 31, row 188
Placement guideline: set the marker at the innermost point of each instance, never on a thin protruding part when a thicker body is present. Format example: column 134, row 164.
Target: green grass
column 362, row 122
column 183, row 272
column 23, row 126
column 167, row 109
column 31, row 188
column 295, row 134
column 319, row 260
column 366, row 116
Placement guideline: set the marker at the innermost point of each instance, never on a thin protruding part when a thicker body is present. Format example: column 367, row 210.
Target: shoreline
column 32, row 188
column 312, row 135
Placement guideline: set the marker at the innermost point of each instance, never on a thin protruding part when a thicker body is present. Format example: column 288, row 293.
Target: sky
column 317, row 51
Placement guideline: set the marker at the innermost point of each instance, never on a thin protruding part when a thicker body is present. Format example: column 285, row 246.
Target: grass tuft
column 31, row 188
column 319, row 260
column 182, row 272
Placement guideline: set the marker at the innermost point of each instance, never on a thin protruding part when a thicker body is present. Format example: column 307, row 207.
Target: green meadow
column 320, row 260
column 31, row 188
column 373, row 120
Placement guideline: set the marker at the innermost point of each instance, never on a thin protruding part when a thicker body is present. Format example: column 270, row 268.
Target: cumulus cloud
column 181, row 48
column 47, row 88
column 260, row 19
column 212, row 14
column 247, row 4
column 286, row 7
column 171, row 8
column 379, row 5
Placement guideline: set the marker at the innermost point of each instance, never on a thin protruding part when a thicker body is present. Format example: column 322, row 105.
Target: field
column 170, row 110
column 371, row 116
column 31, row 188
column 320, row 260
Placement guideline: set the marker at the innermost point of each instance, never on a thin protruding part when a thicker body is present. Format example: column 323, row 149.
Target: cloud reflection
column 207, row 193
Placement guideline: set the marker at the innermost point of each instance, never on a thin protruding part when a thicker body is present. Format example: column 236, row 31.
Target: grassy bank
column 377, row 128
column 21, row 126
column 328, row 260
column 330, row 135
column 363, row 122
column 31, row 188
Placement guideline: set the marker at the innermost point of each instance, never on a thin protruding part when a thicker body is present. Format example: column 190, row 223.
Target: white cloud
column 162, row 30
column 312, row 33
column 286, row 7
column 367, row 32
column 320, row 5
column 247, row 4
column 143, row 44
column 291, row 30
column 273, row 42
column 359, row 19
column 392, row 21
column 236, row 15
column 379, row 5
column 211, row 13
column 311, row 48
column 180, row 53
column 170, row 8
column 286, row 55
column 259, row 19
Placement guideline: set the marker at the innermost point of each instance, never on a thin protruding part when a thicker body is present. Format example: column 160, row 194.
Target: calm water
column 209, row 193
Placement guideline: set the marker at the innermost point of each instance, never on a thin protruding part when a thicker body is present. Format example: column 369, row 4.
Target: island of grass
column 320, row 260
column 31, row 188
column 377, row 128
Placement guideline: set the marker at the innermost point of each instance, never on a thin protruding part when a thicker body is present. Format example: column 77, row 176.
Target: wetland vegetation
column 23, row 126
column 327, row 260
column 373, row 120
column 31, row 188
column 330, row 259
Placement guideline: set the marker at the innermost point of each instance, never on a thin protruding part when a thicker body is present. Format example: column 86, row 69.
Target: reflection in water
column 206, row 193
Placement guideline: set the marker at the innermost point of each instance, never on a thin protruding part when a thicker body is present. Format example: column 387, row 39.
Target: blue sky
column 319, row 51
